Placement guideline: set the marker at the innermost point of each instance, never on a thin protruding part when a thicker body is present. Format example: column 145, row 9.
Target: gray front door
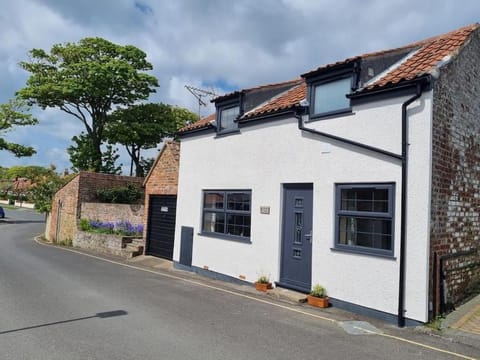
column 296, row 263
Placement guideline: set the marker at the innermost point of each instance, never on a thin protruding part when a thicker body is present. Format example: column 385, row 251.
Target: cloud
column 225, row 44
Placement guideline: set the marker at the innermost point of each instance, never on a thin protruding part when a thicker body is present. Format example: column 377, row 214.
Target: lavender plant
column 125, row 228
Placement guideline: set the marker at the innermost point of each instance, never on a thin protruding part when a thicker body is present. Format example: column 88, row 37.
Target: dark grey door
column 161, row 225
column 296, row 263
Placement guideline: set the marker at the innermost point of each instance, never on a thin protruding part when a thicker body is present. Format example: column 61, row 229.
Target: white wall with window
column 356, row 202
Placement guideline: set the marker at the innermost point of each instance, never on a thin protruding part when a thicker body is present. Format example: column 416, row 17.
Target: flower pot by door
column 321, row 302
column 263, row 286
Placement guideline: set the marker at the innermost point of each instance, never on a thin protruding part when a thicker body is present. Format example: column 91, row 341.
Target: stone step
column 133, row 250
column 134, row 241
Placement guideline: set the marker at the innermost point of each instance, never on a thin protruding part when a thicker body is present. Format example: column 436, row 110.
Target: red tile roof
column 425, row 56
column 283, row 101
column 430, row 53
column 202, row 123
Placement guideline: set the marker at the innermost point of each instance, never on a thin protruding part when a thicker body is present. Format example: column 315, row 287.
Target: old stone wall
column 112, row 212
column 163, row 178
column 455, row 199
column 103, row 243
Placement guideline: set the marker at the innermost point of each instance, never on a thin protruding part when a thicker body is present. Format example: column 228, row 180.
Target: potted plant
column 318, row 297
column 263, row 283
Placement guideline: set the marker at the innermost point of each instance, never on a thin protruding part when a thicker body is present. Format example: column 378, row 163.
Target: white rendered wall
column 265, row 156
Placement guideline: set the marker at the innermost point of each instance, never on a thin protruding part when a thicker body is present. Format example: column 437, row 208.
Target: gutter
column 419, row 83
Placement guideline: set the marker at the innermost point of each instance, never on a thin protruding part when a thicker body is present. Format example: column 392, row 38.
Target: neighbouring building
column 77, row 199
column 362, row 175
column 160, row 202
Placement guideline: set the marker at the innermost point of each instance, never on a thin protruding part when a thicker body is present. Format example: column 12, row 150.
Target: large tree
column 82, row 156
column 85, row 80
column 144, row 126
column 14, row 113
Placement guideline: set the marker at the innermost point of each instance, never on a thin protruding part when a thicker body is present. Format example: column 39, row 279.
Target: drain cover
column 359, row 328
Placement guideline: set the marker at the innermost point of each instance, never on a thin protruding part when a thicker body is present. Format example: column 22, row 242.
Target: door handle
column 308, row 237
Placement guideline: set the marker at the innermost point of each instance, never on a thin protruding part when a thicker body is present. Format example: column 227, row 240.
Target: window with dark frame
column 364, row 218
column 227, row 213
column 228, row 115
column 329, row 97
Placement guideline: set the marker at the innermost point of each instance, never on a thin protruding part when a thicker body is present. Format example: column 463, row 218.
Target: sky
column 219, row 45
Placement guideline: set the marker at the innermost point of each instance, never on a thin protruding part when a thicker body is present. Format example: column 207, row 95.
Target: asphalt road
column 56, row 304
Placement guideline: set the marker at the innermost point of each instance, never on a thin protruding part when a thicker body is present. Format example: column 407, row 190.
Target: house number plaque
column 265, row 210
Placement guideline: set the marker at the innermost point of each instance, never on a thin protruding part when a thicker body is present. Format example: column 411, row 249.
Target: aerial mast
column 200, row 94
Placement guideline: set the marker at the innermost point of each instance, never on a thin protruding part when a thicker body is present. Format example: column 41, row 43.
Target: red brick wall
column 163, row 178
column 91, row 182
column 81, row 188
column 113, row 212
column 64, row 211
column 455, row 207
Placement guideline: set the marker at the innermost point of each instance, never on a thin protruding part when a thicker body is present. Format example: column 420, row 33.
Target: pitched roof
column 429, row 56
column 173, row 147
column 423, row 57
column 202, row 123
column 287, row 100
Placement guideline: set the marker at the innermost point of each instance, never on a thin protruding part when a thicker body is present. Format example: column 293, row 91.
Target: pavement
column 462, row 324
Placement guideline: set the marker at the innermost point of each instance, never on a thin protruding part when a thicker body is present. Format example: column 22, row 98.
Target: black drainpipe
column 403, row 157
column 403, row 224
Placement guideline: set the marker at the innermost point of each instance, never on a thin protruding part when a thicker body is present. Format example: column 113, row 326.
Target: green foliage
column 146, row 164
column 82, row 156
column 436, row 323
column 67, row 242
column 14, row 114
column 42, row 193
column 85, row 80
column 33, row 173
column 129, row 194
column 263, row 279
column 144, row 126
column 123, row 228
column 85, row 225
column 318, row 291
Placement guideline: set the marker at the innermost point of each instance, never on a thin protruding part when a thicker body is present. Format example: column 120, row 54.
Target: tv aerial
column 200, row 94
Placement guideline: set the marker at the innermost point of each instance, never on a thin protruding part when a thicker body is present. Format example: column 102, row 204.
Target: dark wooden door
column 161, row 225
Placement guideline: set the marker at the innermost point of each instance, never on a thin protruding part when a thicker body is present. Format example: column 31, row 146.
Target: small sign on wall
column 164, row 209
column 265, row 210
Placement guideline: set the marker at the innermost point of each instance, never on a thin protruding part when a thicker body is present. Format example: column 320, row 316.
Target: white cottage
column 343, row 177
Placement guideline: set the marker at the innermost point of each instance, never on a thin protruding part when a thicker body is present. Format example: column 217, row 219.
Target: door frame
column 285, row 188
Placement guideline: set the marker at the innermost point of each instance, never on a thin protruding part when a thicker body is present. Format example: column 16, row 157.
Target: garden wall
column 112, row 212
column 103, row 243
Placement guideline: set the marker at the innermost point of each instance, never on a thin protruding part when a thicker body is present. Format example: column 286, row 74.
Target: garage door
column 161, row 225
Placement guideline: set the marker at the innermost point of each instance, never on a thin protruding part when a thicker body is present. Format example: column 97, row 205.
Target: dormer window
column 329, row 97
column 227, row 118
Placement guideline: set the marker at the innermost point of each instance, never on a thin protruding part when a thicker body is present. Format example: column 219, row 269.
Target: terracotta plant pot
column 321, row 302
column 263, row 286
